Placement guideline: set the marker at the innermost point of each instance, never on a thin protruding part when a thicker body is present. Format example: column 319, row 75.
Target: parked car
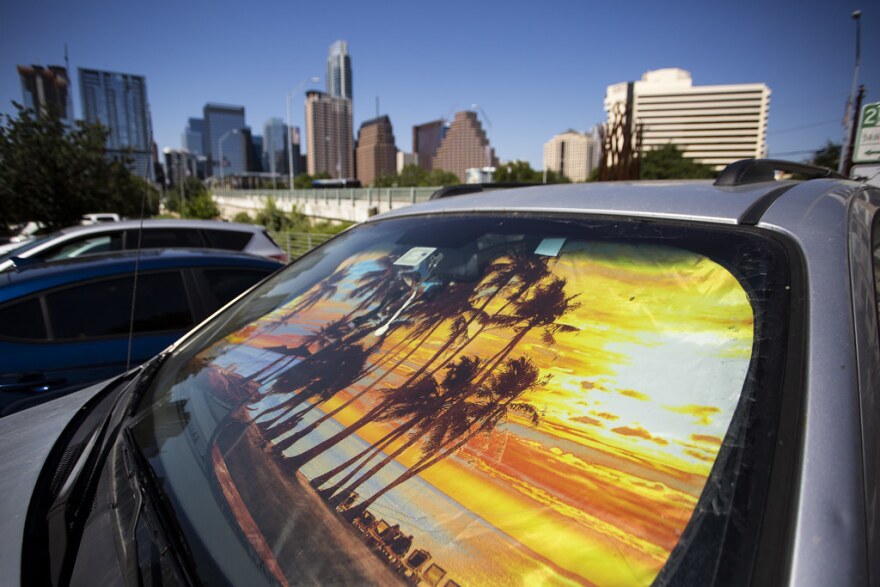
column 631, row 383
column 65, row 324
column 119, row 236
column 89, row 219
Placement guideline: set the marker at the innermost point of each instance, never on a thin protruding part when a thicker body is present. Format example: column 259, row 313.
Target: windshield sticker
column 550, row 247
column 414, row 256
column 529, row 426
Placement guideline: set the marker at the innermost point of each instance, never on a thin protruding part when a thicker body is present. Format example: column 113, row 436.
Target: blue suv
column 65, row 325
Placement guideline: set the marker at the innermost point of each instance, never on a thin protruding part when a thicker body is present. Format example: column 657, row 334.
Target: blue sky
column 535, row 68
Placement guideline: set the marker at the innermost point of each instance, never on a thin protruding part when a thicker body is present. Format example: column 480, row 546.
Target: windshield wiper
column 143, row 382
column 152, row 519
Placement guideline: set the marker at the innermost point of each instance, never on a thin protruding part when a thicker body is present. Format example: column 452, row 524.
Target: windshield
column 31, row 244
column 467, row 400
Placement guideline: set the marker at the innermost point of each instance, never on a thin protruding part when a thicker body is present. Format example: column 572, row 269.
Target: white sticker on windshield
column 415, row 256
column 550, row 247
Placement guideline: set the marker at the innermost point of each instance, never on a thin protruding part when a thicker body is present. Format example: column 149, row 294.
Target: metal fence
column 369, row 195
column 297, row 244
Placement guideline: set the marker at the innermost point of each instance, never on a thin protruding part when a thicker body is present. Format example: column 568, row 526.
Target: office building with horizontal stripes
column 714, row 125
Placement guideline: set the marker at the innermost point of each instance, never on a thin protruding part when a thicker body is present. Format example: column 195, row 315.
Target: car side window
column 86, row 245
column 231, row 240
column 161, row 305
column 224, row 284
column 23, row 320
column 160, row 238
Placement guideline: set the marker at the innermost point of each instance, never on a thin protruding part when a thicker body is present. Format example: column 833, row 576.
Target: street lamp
column 290, row 94
column 225, row 136
column 852, row 114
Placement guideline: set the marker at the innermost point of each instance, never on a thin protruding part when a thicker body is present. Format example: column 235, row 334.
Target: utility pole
column 852, row 110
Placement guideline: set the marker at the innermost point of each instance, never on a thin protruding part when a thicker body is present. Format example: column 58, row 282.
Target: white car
column 117, row 236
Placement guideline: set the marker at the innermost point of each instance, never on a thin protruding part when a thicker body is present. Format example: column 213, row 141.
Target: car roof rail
column 748, row 171
column 470, row 188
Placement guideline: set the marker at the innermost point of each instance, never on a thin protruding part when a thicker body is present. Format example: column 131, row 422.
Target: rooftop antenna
column 377, row 106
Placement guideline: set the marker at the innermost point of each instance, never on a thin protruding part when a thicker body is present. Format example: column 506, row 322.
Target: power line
column 806, row 126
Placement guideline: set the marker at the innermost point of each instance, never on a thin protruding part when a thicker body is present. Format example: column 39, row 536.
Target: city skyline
column 533, row 77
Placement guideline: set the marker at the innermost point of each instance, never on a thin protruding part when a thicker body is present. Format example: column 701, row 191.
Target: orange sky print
column 588, row 474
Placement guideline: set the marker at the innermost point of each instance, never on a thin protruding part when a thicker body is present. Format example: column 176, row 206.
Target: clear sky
column 535, row 68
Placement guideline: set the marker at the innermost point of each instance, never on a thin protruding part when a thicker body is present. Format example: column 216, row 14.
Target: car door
column 78, row 334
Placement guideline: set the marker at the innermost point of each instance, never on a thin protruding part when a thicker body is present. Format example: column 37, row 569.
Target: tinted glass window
column 104, row 308
column 481, row 401
column 88, row 245
column 160, row 238
column 231, row 240
column 23, row 320
column 225, row 284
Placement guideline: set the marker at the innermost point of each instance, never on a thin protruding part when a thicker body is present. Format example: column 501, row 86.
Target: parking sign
column 867, row 149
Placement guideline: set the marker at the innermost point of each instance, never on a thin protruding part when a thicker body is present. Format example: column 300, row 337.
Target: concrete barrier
column 353, row 205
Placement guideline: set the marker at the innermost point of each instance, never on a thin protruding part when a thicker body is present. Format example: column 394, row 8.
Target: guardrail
column 297, row 244
column 389, row 196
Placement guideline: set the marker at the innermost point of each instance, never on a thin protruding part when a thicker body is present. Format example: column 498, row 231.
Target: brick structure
column 376, row 152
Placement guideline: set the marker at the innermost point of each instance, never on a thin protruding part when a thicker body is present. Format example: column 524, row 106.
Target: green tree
column 441, row 177
column 243, row 217
column 53, row 174
column 386, row 181
column 412, row 176
column 828, row 156
column 521, row 172
column 669, row 162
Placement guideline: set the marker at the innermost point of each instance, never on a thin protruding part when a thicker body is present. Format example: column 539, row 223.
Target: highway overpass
column 353, row 205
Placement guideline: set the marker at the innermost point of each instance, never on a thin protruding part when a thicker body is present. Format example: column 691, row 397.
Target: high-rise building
column 376, row 152
column 253, row 153
column 224, row 123
column 299, row 159
column 179, row 165
column 192, row 139
column 404, row 159
column 426, row 140
column 714, row 125
column 339, row 71
column 119, row 102
column 464, row 146
column 275, row 145
column 571, row 154
column 329, row 135
column 45, row 88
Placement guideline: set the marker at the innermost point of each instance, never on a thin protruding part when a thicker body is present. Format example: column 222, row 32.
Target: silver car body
column 834, row 533
column 259, row 244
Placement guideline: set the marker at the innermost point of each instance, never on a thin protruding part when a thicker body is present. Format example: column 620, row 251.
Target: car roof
column 684, row 200
column 39, row 276
column 162, row 223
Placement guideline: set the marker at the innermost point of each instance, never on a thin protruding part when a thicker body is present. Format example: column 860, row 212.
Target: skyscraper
column 329, row 135
column 275, row 145
column 119, row 102
column 179, row 165
column 299, row 160
column 376, row 152
column 465, row 146
column 43, row 88
column 339, row 71
column 226, row 123
column 714, row 125
column 192, row 139
column 426, row 140
column 571, row 154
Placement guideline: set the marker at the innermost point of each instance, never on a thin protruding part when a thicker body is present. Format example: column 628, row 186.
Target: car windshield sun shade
column 472, row 400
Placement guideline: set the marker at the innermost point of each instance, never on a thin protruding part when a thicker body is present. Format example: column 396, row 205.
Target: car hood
column 27, row 438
